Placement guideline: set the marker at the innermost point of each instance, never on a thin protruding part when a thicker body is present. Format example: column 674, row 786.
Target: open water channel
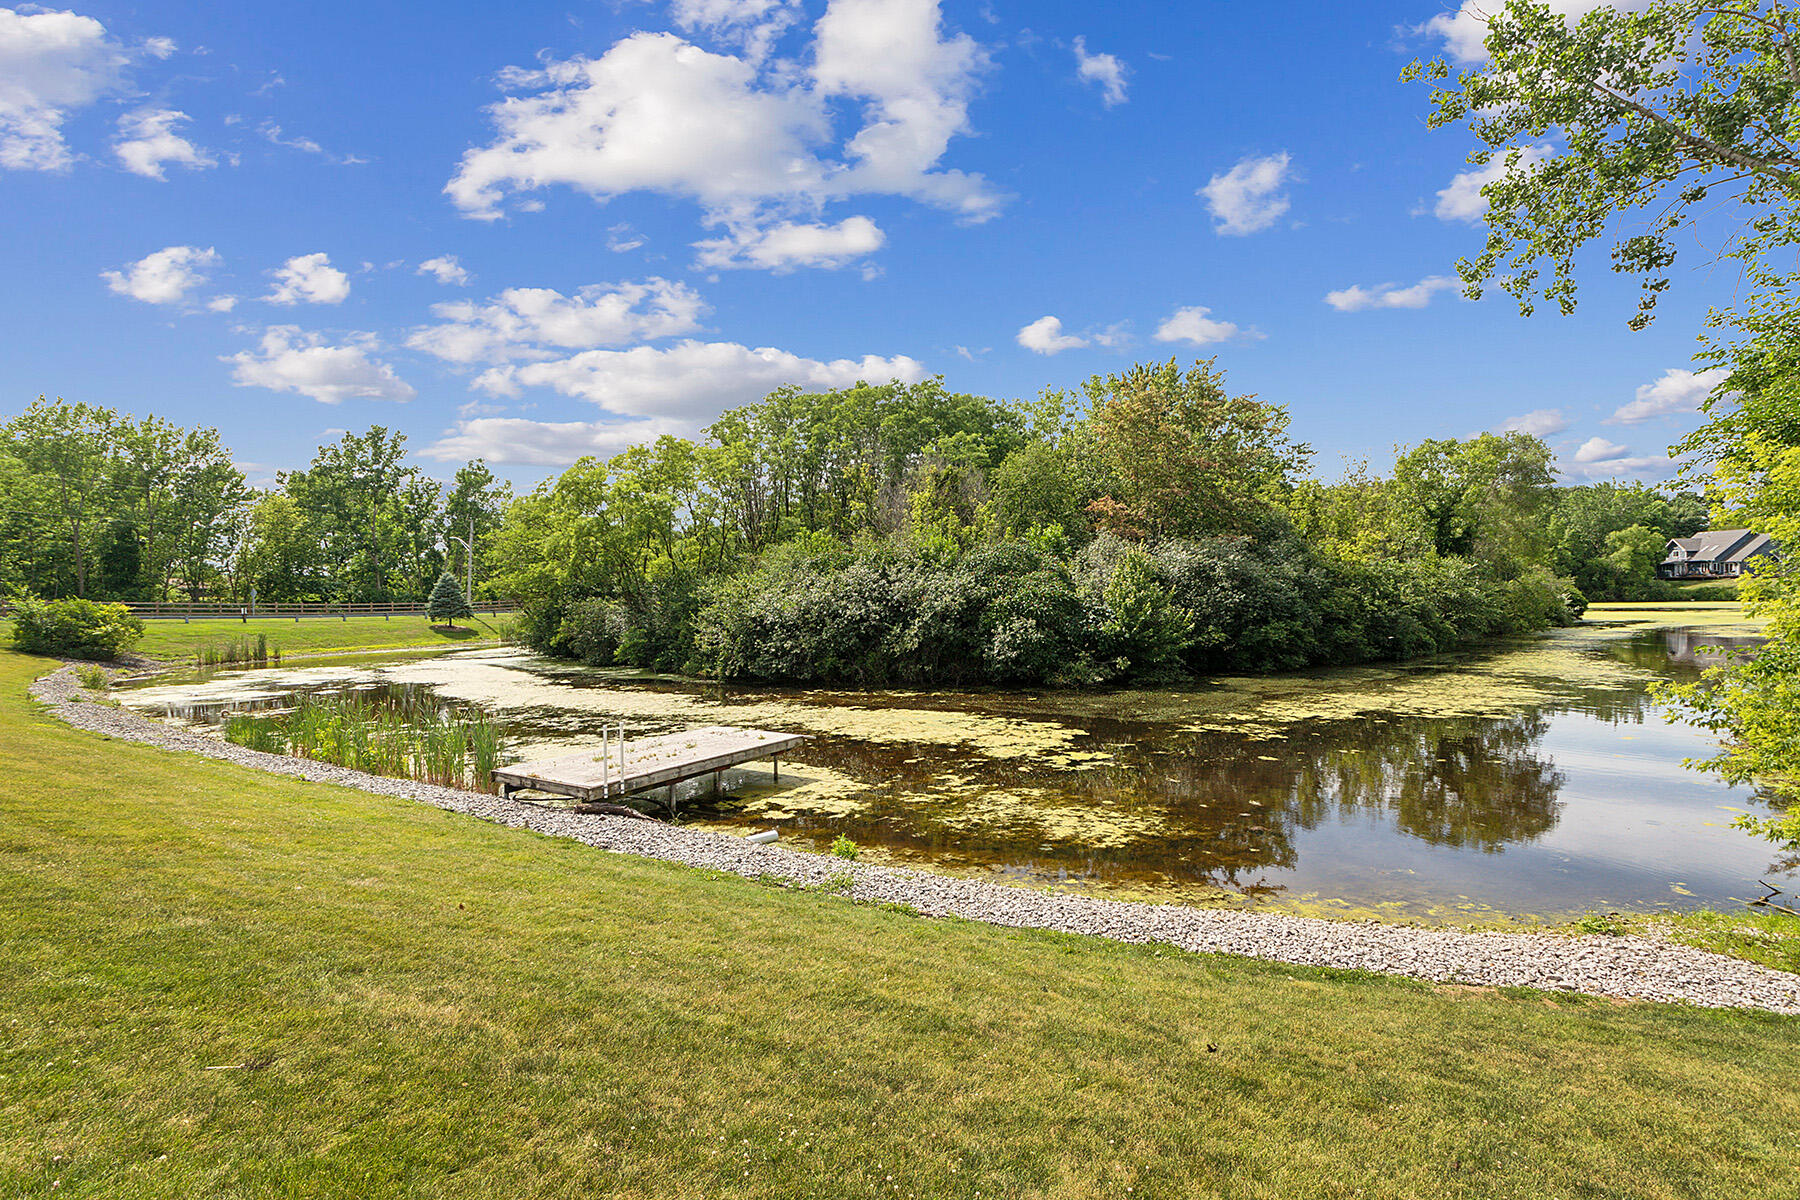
column 1539, row 778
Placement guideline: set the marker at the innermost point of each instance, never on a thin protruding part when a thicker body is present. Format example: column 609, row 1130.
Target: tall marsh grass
column 412, row 738
column 249, row 651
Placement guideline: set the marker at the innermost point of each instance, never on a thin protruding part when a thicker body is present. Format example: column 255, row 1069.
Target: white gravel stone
column 1631, row 968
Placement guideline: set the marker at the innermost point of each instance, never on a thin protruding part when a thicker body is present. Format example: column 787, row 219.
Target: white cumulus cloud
column 290, row 360
column 756, row 145
column 148, row 142
column 1045, row 336
column 692, row 379
column 1677, row 391
column 654, row 113
column 1195, row 326
column 1249, row 197
column 1649, row 468
column 1539, row 422
column 1390, row 295
column 538, row 323
column 445, row 270
column 754, row 25
column 728, row 14
column 1598, row 449
column 1465, row 31
column 915, row 86
column 782, row 248
column 51, row 63
column 309, row 279
column 164, row 277
column 1463, row 201
column 1103, row 69
column 1598, row 458
column 548, row 443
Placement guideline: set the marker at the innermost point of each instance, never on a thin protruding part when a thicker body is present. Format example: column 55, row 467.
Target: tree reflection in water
column 1220, row 807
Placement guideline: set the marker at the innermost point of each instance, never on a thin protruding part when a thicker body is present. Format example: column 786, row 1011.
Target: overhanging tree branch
column 1766, row 166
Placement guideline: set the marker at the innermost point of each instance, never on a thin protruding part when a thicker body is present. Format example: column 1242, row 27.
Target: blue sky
column 531, row 231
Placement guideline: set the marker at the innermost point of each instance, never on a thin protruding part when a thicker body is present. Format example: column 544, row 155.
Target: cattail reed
column 245, row 651
column 412, row 739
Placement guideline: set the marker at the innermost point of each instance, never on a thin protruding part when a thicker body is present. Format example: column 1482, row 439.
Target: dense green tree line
column 362, row 523
column 1151, row 524
column 100, row 505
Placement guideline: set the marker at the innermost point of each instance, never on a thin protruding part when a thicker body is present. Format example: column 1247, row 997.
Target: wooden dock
column 629, row 766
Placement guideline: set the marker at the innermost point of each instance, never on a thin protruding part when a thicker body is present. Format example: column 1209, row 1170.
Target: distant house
column 1715, row 554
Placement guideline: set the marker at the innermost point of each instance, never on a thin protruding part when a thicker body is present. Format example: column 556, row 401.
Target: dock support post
column 775, row 760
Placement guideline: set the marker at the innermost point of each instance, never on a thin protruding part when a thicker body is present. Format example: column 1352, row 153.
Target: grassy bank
column 180, row 640
column 1702, row 611
column 1691, row 585
column 1758, row 934
column 215, row 982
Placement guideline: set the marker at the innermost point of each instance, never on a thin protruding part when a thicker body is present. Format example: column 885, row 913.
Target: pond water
column 1535, row 779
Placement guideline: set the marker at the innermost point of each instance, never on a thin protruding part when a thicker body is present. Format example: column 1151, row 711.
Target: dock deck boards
column 648, row 762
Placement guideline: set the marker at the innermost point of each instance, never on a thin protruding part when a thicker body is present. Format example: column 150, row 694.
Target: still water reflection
column 1542, row 779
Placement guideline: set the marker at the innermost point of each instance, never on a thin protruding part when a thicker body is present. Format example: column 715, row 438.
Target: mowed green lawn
column 219, row 983
column 178, row 640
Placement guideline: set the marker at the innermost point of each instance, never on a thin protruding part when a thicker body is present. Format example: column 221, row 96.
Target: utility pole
column 468, row 562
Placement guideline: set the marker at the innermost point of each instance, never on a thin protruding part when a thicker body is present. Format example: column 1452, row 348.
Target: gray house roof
column 1718, row 546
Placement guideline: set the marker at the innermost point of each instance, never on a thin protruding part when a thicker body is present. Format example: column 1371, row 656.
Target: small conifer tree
column 447, row 602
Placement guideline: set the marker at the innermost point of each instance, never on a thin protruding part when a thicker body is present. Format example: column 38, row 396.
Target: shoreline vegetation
column 1149, row 526
column 448, row 745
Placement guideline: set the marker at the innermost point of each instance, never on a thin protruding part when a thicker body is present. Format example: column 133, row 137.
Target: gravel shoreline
column 1629, row 968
